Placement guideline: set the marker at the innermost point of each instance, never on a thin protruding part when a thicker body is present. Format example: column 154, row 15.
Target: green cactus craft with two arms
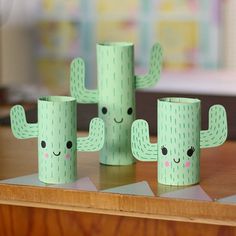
column 57, row 137
column 115, row 95
column 179, row 139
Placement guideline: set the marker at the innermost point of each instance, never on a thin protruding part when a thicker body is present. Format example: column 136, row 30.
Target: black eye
column 164, row 150
column 104, row 110
column 130, row 111
column 190, row 151
column 69, row 144
column 43, row 144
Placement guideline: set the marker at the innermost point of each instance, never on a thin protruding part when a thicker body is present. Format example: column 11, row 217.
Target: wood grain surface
column 38, row 222
column 33, row 208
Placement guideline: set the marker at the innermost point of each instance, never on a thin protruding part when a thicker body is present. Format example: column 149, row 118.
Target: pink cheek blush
column 46, row 155
column 167, row 163
column 187, row 164
column 67, row 156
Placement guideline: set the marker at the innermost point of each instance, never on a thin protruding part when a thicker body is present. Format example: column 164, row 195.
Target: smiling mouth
column 57, row 154
column 177, row 161
column 118, row 121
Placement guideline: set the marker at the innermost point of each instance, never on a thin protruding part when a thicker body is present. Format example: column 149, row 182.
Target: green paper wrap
column 57, row 140
column 179, row 139
column 179, row 122
column 115, row 95
column 116, row 102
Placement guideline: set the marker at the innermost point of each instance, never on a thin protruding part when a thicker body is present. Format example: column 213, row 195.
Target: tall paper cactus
column 179, row 139
column 115, row 95
column 57, row 138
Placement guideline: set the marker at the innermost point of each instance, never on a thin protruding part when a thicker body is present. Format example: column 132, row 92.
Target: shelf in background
column 204, row 82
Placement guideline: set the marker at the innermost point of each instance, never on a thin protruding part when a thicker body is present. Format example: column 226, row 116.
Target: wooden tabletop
column 218, row 179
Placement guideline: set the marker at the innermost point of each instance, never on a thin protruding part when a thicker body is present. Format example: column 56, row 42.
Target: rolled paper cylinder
column 116, row 103
column 115, row 94
column 57, row 140
column 179, row 139
column 179, row 121
column 56, row 132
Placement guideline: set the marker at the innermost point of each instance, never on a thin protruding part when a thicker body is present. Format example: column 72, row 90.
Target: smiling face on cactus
column 57, row 139
column 115, row 116
column 65, row 151
column 118, row 120
column 56, row 133
column 178, row 166
column 115, row 94
column 116, row 102
column 178, row 141
column 188, row 157
column 116, row 81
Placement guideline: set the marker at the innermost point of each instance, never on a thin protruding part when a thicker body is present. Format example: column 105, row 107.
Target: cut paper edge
column 24, row 180
column 80, row 184
column 193, row 193
column 141, row 188
column 33, row 180
column 229, row 199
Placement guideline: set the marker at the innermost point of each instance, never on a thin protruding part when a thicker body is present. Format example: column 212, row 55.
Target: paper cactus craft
column 179, row 139
column 57, row 139
column 115, row 95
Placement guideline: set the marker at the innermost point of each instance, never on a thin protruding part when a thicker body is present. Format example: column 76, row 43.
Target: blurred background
column 39, row 39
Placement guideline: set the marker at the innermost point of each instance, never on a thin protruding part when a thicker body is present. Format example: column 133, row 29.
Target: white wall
column 17, row 56
column 16, row 38
column 229, row 36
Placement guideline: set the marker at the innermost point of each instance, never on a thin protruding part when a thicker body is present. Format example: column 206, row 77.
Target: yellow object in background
column 180, row 41
column 117, row 7
column 48, row 5
column 54, row 74
column 60, row 38
column 68, row 7
column 169, row 6
column 117, row 31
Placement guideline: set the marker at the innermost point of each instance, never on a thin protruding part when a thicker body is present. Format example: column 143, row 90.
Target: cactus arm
column 95, row 140
column 20, row 128
column 153, row 75
column 142, row 149
column 77, row 83
column 217, row 130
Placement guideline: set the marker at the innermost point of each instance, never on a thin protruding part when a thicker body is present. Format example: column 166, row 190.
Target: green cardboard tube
column 115, row 94
column 57, row 139
column 116, row 103
column 179, row 139
column 179, row 122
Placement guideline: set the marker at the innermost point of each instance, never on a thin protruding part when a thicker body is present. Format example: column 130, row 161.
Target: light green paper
column 115, row 95
column 57, row 137
column 179, row 139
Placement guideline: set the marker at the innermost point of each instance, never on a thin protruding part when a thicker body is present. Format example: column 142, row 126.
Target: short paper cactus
column 179, row 139
column 115, row 95
column 57, row 138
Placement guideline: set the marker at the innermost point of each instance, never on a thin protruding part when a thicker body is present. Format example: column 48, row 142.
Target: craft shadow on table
column 113, row 176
